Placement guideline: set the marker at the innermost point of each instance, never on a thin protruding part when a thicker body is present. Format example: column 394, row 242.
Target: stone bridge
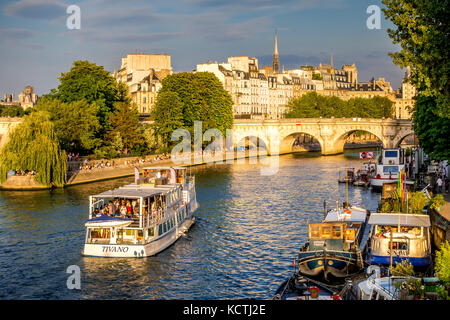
column 278, row 136
column 6, row 125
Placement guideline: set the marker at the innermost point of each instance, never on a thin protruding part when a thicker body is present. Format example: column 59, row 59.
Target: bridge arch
column 339, row 142
column 401, row 138
column 287, row 142
column 251, row 140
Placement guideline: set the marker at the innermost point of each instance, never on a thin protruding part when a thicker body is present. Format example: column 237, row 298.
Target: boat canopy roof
column 346, row 215
column 106, row 221
column 402, row 219
column 135, row 191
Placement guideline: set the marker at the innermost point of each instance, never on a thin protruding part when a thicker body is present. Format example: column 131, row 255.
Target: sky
column 36, row 45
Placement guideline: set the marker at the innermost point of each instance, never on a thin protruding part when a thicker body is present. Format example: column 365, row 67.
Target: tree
column 125, row 121
column 34, row 146
column 432, row 130
column 89, row 82
column 76, row 123
column 313, row 105
column 168, row 115
column 422, row 30
column 200, row 96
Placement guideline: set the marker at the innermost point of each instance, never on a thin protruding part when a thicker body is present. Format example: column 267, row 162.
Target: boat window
column 314, row 231
column 150, row 232
column 129, row 232
column 390, row 169
column 325, row 231
column 390, row 154
column 160, row 229
column 399, row 245
column 100, row 233
column 336, row 231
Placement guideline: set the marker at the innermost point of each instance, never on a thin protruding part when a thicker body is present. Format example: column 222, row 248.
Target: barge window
column 390, row 169
column 326, row 231
column 150, row 232
column 314, row 231
column 160, row 229
column 390, row 154
column 336, row 231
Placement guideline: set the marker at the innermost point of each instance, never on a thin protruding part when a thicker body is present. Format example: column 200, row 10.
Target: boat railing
column 375, row 281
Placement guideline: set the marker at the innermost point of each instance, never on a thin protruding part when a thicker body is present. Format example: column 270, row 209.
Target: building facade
column 143, row 74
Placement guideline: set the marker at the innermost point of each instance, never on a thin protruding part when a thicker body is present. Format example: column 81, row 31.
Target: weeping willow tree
column 33, row 146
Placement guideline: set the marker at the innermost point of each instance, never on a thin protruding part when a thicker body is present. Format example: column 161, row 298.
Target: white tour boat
column 142, row 218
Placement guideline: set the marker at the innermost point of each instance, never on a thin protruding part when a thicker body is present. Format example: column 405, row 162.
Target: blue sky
column 36, row 45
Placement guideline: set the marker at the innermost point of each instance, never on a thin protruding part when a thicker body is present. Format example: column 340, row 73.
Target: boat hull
column 338, row 264
column 138, row 250
column 386, row 260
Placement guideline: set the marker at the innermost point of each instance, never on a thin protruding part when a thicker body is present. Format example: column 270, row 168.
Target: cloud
column 126, row 37
column 16, row 33
column 36, row 9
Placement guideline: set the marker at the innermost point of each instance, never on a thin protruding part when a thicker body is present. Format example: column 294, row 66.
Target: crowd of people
column 22, row 173
column 119, row 208
column 86, row 165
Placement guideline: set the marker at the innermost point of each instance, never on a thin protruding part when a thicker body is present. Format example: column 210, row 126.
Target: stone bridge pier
column 278, row 136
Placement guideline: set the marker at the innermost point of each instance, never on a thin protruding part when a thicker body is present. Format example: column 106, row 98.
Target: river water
column 248, row 231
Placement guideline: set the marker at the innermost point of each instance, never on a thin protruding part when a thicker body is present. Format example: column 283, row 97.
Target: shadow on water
column 248, row 231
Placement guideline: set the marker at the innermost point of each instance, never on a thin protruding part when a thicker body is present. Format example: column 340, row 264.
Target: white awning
column 402, row 219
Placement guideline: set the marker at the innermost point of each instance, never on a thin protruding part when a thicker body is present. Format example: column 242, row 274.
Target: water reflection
column 249, row 228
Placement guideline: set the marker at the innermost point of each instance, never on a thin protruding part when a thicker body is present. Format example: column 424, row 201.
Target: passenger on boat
column 123, row 209
column 111, row 207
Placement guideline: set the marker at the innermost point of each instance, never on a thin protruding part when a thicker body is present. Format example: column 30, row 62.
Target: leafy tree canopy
column 200, row 96
column 34, row 146
column 422, row 30
column 313, row 105
column 89, row 82
column 75, row 123
column 125, row 122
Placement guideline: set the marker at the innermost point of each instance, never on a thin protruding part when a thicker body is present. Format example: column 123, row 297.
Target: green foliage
column 432, row 129
column 417, row 202
column 168, row 115
column 422, row 31
column 125, row 122
column 199, row 96
column 437, row 201
column 89, row 82
column 404, row 268
column 105, row 152
column 12, row 111
column 442, row 263
column 34, row 146
column 76, row 123
column 313, row 105
column 317, row 76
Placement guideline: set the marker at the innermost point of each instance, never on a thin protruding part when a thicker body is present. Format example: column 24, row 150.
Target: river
column 249, row 228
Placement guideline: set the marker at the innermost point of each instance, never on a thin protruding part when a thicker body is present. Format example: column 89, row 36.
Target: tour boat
column 390, row 163
column 299, row 287
column 335, row 246
column 407, row 234
column 158, row 209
